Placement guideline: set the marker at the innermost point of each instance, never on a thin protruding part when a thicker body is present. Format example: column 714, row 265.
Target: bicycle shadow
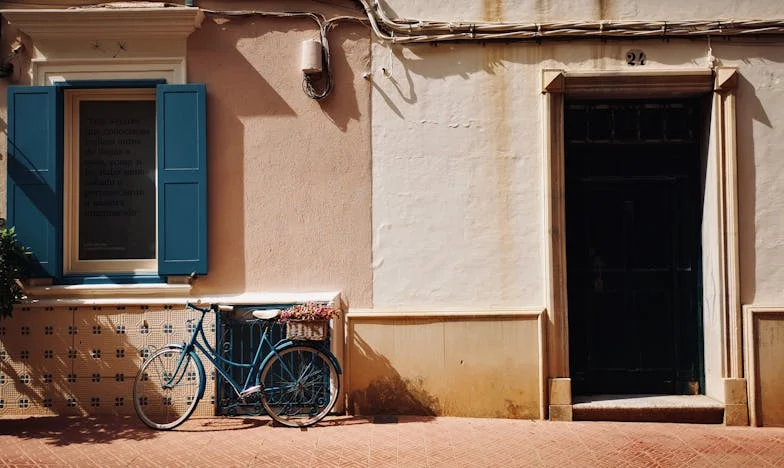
column 222, row 424
column 233, row 423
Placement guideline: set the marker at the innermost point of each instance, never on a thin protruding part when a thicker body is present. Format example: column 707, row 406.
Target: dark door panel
column 633, row 251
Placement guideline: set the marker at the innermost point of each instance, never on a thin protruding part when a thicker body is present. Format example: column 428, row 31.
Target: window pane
column 117, row 180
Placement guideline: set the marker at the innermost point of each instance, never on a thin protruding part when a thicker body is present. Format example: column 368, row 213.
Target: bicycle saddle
column 266, row 314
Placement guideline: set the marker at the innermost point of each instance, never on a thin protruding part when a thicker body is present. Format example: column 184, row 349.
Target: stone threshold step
column 648, row 408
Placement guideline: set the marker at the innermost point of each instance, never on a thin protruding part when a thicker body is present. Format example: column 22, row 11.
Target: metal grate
column 238, row 338
column 630, row 122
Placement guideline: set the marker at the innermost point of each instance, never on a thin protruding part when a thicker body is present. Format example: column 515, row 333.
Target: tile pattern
column 83, row 360
column 108, row 441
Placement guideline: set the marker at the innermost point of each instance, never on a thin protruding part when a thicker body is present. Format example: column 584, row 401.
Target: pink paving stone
column 357, row 442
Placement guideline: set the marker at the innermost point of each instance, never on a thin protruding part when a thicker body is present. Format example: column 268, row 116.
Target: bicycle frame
column 198, row 341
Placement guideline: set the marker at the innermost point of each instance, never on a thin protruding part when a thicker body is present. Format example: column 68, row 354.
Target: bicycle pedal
column 250, row 391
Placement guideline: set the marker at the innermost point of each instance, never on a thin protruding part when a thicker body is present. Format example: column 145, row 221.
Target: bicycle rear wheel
column 162, row 399
column 300, row 386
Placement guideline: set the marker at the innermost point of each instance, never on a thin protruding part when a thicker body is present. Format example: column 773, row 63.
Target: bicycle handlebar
column 210, row 306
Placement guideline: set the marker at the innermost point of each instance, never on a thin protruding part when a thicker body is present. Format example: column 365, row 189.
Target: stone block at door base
column 560, row 412
column 561, row 391
column 736, row 415
column 735, row 391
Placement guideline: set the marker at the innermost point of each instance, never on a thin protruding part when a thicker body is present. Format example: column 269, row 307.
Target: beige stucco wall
column 289, row 176
column 422, row 186
column 288, row 196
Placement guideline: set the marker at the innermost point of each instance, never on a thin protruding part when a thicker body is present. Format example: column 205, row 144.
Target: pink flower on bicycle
column 309, row 311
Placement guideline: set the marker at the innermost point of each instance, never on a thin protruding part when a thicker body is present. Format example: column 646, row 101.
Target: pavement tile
column 358, row 442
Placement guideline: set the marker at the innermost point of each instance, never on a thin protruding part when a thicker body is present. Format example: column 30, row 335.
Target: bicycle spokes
column 300, row 386
column 167, row 388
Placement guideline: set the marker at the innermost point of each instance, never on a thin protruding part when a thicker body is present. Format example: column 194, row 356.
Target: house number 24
column 635, row 57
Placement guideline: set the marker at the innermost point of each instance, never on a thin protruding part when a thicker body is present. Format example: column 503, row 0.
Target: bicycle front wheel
column 300, row 386
column 164, row 394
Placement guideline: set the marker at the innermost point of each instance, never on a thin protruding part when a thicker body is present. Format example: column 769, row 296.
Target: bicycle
column 297, row 381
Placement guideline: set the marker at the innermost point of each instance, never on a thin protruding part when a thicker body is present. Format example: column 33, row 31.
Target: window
column 109, row 179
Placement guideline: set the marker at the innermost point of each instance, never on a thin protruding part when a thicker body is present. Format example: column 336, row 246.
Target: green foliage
column 14, row 262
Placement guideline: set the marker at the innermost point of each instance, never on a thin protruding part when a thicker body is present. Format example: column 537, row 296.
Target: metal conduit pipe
column 406, row 31
column 416, row 31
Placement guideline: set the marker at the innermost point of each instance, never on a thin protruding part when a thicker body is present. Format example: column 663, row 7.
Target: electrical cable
column 314, row 86
column 416, row 31
column 407, row 31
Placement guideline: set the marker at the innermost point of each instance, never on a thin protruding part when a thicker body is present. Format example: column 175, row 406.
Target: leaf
column 14, row 264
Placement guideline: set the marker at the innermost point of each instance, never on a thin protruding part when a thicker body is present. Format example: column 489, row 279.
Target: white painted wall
column 457, row 169
column 456, row 177
column 761, row 171
column 712, row 300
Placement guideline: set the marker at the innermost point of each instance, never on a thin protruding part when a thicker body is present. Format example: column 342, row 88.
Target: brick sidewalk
column 359, row 442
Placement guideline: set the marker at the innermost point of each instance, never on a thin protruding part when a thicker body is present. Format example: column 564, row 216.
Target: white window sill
column 271, row 298
column 97, row 294
column 161, row 294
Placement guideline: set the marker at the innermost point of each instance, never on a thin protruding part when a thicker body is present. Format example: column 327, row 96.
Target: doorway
column 633, row 224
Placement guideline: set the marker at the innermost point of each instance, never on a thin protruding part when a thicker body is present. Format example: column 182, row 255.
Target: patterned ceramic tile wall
column 83, row 360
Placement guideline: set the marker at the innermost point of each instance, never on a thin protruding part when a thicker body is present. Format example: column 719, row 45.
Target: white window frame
column 71, row 262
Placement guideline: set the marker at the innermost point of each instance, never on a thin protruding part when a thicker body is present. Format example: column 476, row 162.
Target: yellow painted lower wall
column 764, row 351
column 83, row 360
column 472, row 365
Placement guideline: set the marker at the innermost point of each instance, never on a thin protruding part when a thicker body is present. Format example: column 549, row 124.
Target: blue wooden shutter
column 34, row 174
column 182, row 179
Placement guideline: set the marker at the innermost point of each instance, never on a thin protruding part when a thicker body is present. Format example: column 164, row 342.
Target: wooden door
column 633, row 247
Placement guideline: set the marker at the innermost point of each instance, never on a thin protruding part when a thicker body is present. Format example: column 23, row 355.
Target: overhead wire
column 410, row 31
column 418, row 31
column 314, row 86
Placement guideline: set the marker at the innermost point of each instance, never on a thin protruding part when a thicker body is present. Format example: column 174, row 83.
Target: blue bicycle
column 297, row 381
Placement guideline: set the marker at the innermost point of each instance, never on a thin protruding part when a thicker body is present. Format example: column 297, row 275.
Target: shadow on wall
column 749, row 110
column 262, row 132
column 346, row 41
column 49, row 364
column 81, row 361
column 387, row 392
column 253, row 63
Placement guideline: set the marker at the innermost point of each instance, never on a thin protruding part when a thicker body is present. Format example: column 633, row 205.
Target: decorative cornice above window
column 147, row 23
